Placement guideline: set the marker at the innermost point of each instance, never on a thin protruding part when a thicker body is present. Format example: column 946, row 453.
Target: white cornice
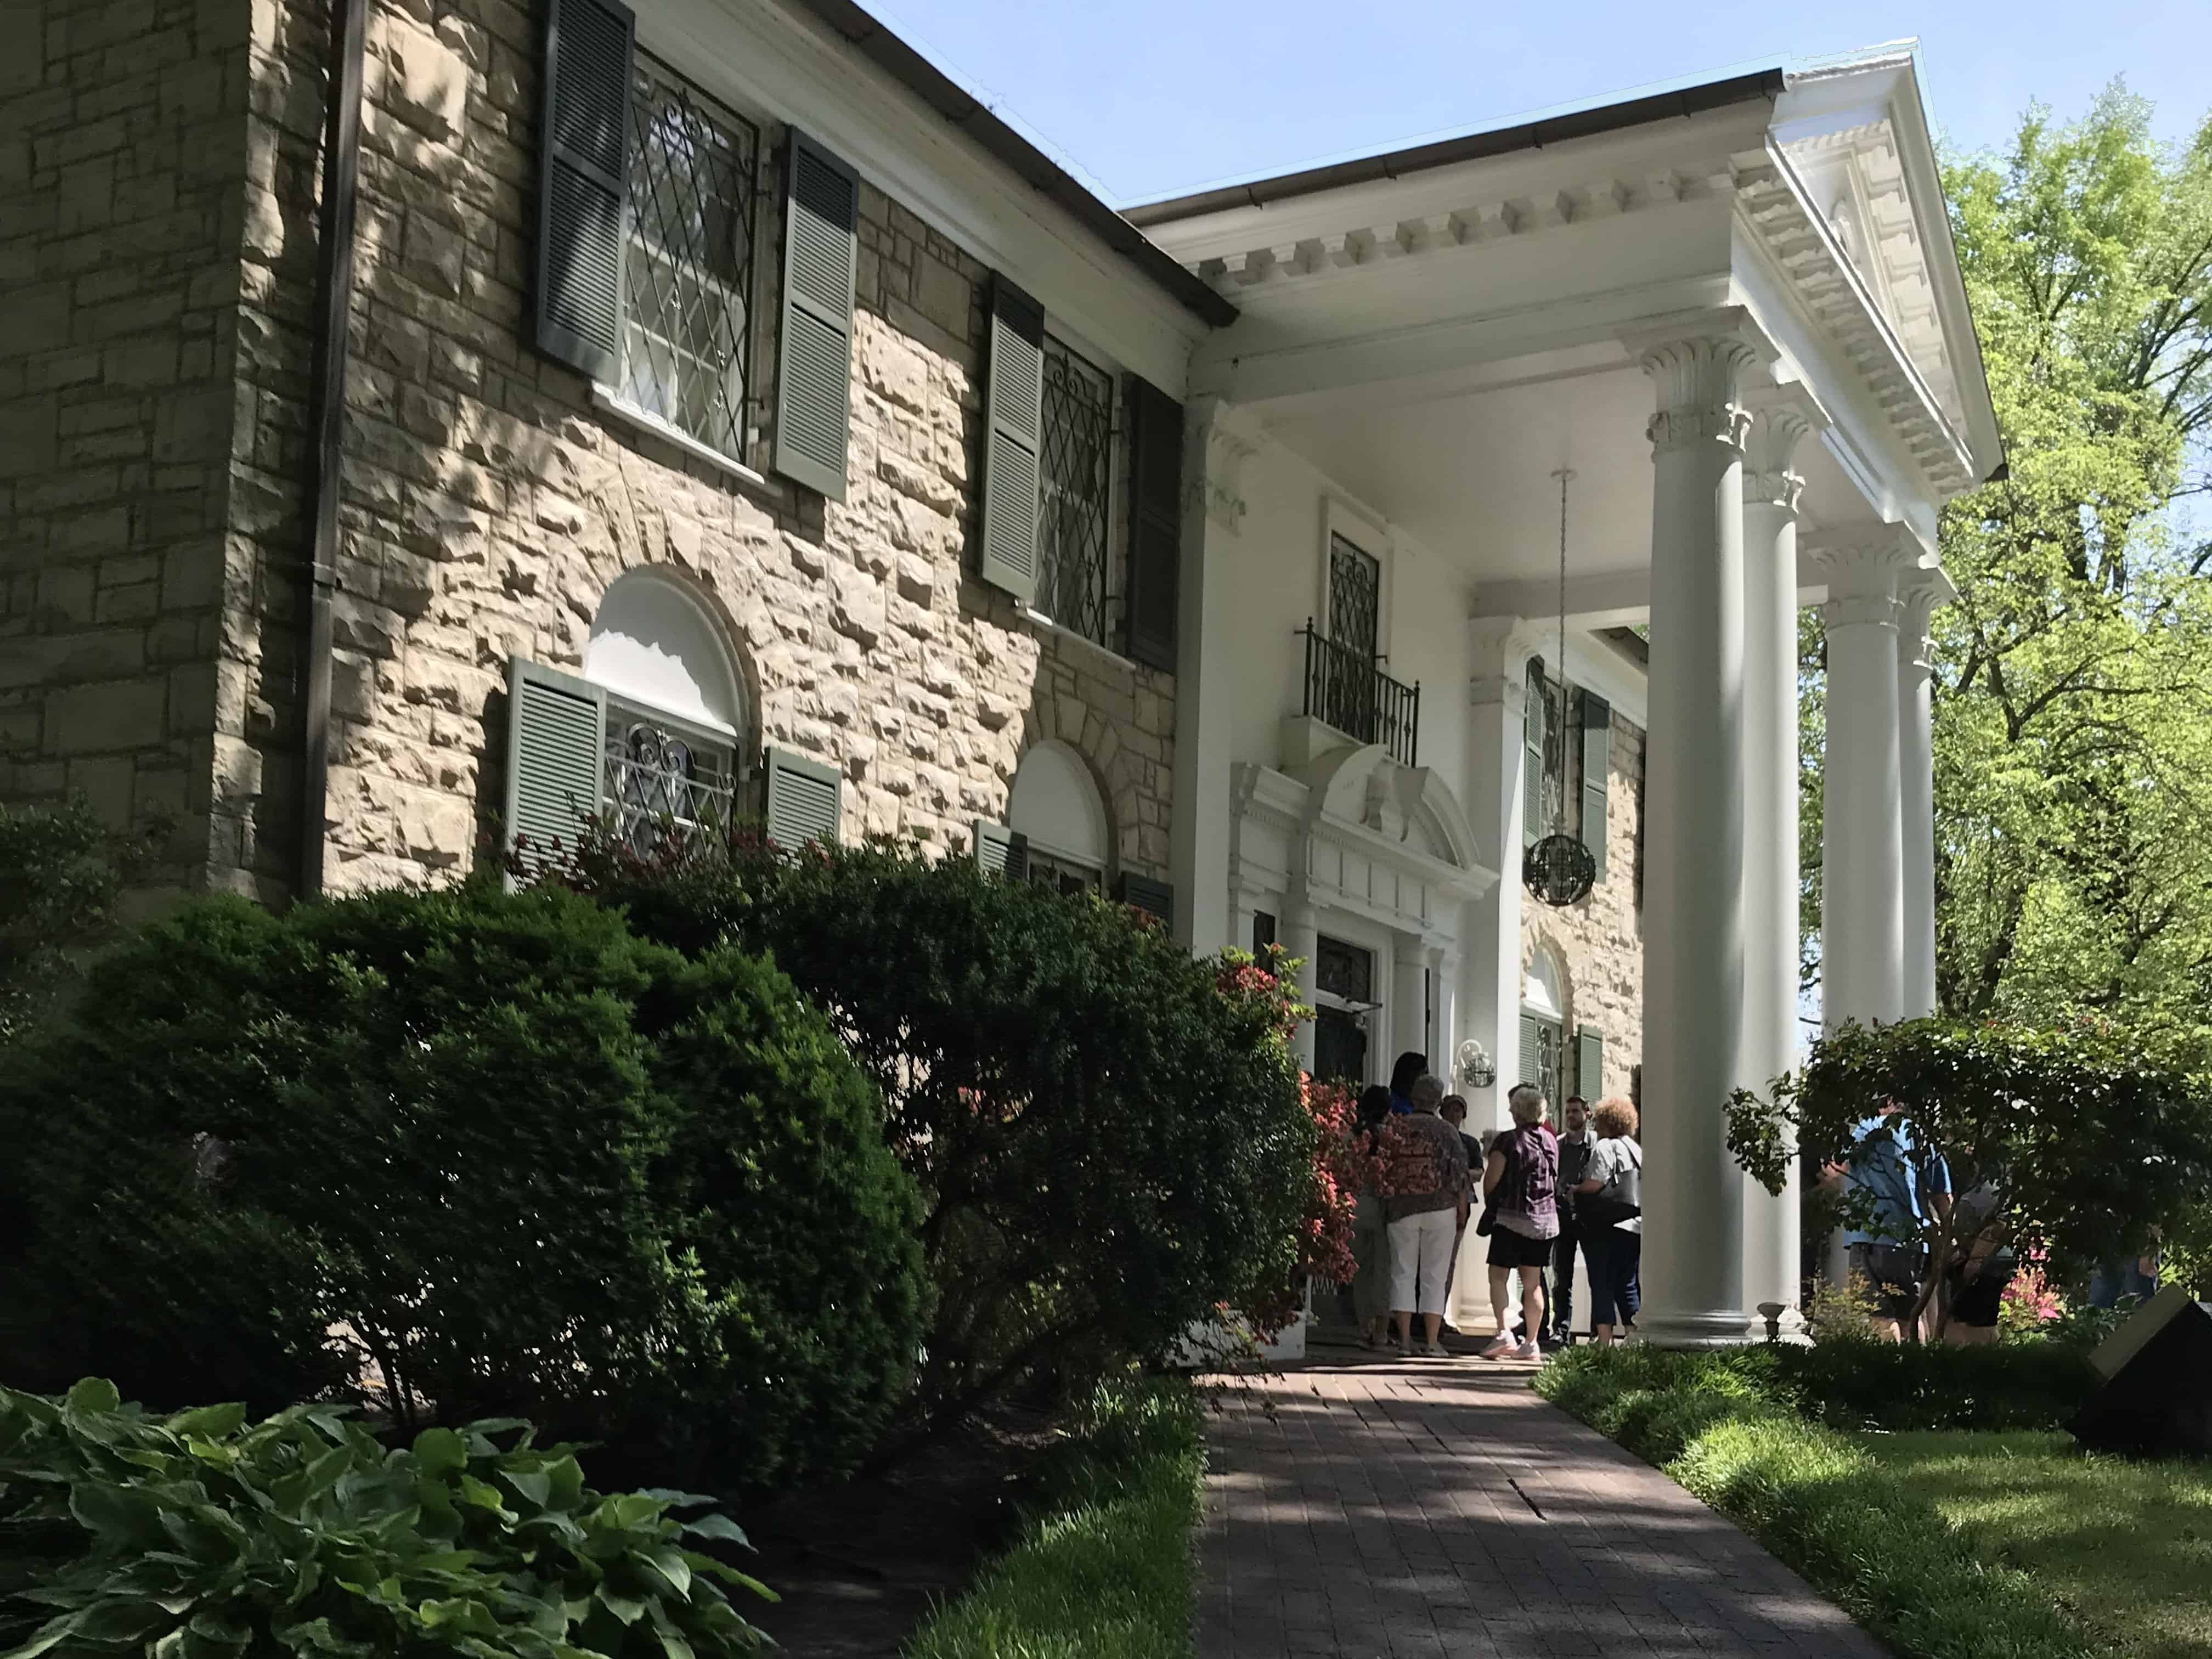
column 1773, row 203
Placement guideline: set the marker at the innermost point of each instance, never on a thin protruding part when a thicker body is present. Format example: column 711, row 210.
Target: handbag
column 1605, row 1206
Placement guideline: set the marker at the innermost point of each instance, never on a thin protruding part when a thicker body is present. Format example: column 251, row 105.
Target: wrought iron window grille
column 661, row 782
column 1343, row 971
column 1351, row 693
column 1079, row 584
column 687, row 335
column 1355, row 598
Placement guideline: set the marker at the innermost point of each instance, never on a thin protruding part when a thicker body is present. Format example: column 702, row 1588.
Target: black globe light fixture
column 1559, row 870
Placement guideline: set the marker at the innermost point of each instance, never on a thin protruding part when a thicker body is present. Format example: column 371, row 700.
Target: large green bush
column 1110, row 1133
column 205, row 1536
column 473, row 1152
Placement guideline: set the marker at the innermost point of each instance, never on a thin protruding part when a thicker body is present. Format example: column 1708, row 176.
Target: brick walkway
column 1431, row 1509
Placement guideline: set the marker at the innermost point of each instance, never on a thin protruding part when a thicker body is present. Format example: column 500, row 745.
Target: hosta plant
column 202, row 1536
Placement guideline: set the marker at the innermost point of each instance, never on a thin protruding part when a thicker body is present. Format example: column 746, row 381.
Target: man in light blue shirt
column 1906, row 1185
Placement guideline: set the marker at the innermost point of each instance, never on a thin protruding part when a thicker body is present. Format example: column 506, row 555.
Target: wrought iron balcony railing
column 1346, row 689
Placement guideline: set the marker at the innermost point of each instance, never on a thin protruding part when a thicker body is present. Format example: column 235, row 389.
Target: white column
column 1301, row 935
column 1770, row 492
column 1693, row 949
column 1863, row 850
column 1443, row 1040
column 1493, row 944
column 1409, row 1003
column 1206, row 611
column 1920, row 592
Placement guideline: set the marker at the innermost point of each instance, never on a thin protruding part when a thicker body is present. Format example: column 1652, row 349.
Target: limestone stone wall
column 1599, row 941
column 487, row 505
column 122, row 183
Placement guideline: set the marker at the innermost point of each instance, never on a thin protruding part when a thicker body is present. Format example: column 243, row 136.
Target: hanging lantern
column 1559, row 870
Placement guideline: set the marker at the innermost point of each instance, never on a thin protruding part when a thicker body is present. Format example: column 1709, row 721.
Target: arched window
column 1544, row 1026
column 1056, row 812
column 676, row 710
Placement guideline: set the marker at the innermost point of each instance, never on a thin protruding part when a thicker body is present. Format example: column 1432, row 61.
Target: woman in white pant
column 1425, row 1176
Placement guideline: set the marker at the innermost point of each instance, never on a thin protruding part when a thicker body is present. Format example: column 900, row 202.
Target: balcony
column 1346, row 690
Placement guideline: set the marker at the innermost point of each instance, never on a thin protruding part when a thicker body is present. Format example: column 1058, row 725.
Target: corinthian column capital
column 1782, row 418
column 1920, row 593
column 1865, row 566
column 1697, row 365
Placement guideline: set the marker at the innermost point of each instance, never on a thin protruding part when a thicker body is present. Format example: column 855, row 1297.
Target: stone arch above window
column 1057, row 809
column 678, row 715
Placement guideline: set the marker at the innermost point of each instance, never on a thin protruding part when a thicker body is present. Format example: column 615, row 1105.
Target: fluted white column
column 1409, row 1014
column 1919, row 594
column 1863, row 842
column 1498, row 700
column 1770, row 492
column 1443, row 1038
column 1693, row 949
column 1301, row 938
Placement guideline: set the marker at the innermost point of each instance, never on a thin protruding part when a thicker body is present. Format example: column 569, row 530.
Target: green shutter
column 583, row 173
column 1001, row 851
column 555, row 756
column 1539, row 708
column 1597, row 769
column 1013, row 438
column 805, row 800
column 1589, row 1062
column 1153, row 897
column 1155, row 524
column 1532, row 1046
column 814, row 366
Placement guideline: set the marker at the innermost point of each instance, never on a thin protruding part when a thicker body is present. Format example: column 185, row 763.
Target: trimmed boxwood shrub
column 1110, row 1133
column 471, row 1153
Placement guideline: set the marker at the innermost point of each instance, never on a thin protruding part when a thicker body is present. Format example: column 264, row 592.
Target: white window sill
column 1082, row 642
column 621, row 408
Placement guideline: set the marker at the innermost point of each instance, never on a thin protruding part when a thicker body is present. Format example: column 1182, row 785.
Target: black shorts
column 1978, row 1300
column 1512, row 1249
column 1892, row 1275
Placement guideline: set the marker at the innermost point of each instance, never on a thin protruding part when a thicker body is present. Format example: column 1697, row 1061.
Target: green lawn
column 2125, row 1547
column 1103, row 1568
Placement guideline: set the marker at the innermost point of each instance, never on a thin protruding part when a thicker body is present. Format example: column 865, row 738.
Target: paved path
column 1435, row 1509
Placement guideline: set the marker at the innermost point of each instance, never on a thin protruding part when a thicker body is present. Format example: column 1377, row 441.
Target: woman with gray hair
column 1520, row 1178
column 1426, row 1171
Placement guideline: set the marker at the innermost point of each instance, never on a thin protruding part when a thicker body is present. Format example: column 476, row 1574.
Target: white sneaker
column 1528, row 1350
column 1502, row 1347
column 1436, row 1350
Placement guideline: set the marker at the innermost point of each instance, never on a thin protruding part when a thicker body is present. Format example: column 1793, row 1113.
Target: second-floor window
column 1078, row 585
column 688, row 260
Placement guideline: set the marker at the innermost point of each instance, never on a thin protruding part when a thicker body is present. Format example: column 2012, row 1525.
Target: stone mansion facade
column 425, row 421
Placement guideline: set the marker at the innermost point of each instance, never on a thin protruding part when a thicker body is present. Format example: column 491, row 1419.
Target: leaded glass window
column 1344, row 971
column 661, row 779
column 1066, row 877
column 1077, row 584
column 693, row 169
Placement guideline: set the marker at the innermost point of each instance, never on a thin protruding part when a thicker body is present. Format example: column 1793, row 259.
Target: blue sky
column 1149, row 98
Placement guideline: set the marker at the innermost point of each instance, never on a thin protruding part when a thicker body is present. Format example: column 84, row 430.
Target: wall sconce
column 1476, row 1068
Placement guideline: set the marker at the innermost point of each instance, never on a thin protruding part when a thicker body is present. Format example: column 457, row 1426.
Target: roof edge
column 1678, row 105
column 862, row 31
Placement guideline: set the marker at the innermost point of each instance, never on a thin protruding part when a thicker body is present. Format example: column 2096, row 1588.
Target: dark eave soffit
column 902, row 61
column 1680, row 105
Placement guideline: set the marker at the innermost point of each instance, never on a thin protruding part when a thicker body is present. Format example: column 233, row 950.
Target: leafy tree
column 62, row 872
column 2073, row 680
column 2094, row 1141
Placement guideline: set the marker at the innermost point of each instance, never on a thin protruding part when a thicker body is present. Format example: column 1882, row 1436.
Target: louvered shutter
column 1001, row 852
column 1013, row 430
column 1155, row 525
column 1597, row 767
column 583, row 184
column 1539, row 710
column 1532, row 1049
column 814, row 367
column 1143, row 893
column 805, row 800
column 555, row 751
column 1589, row 1062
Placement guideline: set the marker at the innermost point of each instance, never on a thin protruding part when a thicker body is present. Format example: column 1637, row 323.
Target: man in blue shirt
column 1907, row 1185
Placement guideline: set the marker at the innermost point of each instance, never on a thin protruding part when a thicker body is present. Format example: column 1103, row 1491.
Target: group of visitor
column 1542, row 1196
